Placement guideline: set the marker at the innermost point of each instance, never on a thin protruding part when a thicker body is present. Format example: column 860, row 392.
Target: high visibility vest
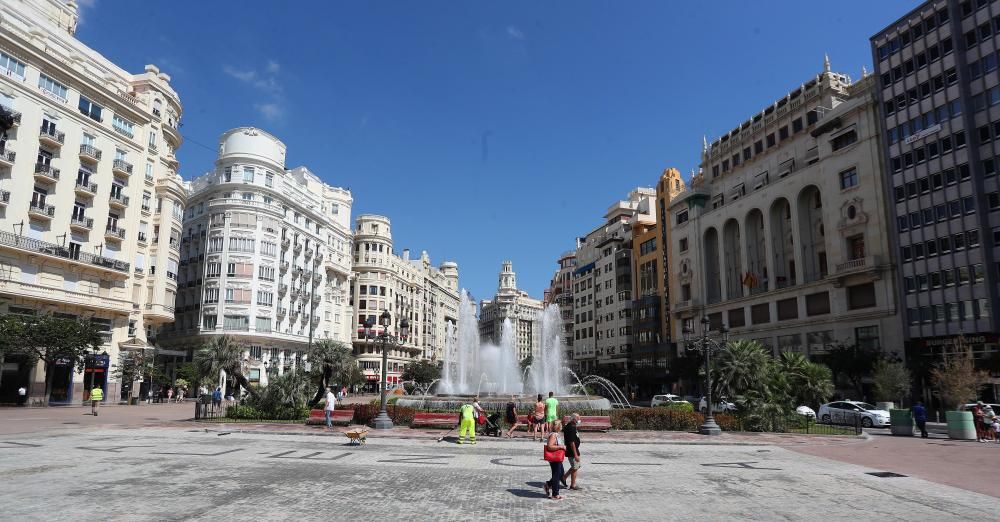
column 96, row 394
column 467, row 411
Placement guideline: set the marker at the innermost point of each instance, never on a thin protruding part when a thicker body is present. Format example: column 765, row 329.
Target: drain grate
column 885, row 474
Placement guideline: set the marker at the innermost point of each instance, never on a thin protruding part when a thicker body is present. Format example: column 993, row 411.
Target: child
column 996, row 429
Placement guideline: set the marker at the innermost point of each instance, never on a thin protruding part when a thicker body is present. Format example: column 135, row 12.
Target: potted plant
column 892, row 381
column 958, row 382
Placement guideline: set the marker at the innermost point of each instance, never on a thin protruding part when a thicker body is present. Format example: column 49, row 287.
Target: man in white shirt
column 22, row 396
column 331, row 399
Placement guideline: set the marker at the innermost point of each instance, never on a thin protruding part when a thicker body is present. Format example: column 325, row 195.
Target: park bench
column 337, row 417
column 435, row 420
column 591, row 423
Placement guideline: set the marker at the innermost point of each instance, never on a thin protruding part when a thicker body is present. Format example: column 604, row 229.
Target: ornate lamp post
column 386, row 340
column 707, row 346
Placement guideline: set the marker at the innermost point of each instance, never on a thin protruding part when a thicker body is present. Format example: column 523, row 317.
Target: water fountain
column 492, row 371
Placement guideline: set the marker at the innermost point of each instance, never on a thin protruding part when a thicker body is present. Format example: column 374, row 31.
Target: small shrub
column 677, row 406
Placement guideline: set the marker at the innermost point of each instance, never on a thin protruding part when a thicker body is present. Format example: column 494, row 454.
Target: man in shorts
column 551, row 411
column 571, row 438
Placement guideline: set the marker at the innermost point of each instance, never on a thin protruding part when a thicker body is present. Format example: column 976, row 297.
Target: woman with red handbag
column 554, row 452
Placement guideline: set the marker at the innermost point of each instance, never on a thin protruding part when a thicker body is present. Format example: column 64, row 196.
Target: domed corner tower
column 450, row 271
column 372, row 231
column 671, row 183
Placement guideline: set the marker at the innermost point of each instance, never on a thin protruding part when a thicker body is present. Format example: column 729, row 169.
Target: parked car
column 805, row 411
column 721, row 406
column 666, row 399
column 848, row 412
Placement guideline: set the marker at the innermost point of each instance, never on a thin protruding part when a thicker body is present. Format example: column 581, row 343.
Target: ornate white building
column 783, row 237
column 514, row 304
column 265, row 256
column 427, row 296
column 92, row 145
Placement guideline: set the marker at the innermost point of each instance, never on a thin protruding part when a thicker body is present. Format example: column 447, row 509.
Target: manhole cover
column 885, row 474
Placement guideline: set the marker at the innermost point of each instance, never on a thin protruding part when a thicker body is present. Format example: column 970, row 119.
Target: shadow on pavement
column 527, row 493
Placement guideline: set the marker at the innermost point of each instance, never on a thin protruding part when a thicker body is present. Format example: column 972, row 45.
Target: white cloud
column 81, row 6
column 243, row 76
column 273, row 67
column 270, row 111
column 515, row 33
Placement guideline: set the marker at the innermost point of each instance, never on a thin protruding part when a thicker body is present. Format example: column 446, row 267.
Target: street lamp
column 386, row 340
column 707, row 345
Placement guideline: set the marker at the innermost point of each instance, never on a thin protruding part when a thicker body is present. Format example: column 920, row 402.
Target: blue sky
column 484, row 130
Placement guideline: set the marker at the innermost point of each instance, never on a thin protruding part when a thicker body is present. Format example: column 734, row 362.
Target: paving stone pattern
column 159, row 474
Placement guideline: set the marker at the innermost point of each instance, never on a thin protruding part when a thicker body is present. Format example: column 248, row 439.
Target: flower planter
column 960, row 425
column 901, row 422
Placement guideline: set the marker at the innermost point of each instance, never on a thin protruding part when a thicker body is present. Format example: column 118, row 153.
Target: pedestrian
column 96, row 396
column 571, row 436
column 217, row 397
column 170, row 394
column 202, row 390
column 988, row 415
column 979, row 420
column 554, row 453
column 340, row 398
column 551, row 411
column 996, row 429
column 22, row 396
column 328, row 408
column 149, row 396
column 538, row 419
column 511, row 415
column 343, row 393
column 920, row 417
column 467, row 423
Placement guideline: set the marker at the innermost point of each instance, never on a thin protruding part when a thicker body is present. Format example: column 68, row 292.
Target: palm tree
column 743, row 370
column 335, row 359
column 815, row 385
column 223, row 354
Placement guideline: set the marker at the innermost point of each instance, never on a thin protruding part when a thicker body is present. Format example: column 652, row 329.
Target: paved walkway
column 171, row 474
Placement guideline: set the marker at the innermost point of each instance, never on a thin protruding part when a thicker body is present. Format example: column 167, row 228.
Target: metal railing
column 7, row 155
column 119, row 199
column 114, row 232
column 87, row 187
column 41, row 247
column 87, row 223
column 45, row 169
column 122, row 166
column 91, row 151
column 42, row 208
column 59, row 137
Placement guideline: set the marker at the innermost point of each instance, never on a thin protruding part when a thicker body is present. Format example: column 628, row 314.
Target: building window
column 867, row 337
column 684, row 244
column 11, row 66
column 818, row 304
column 90, row 109
column 682, row 217
column 247, row 174
column 844, row 140
column 51, row 87
column 849, row 178
column 861, row 296
column 123, row 126
column 788, row 309
column 209, row 321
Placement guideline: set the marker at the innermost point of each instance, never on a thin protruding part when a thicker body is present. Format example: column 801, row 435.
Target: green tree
column 806, row 382
column 956, row 379
column 135, row 365
column 742, row 372
column 892, row 381
column 11, row 332
column 333, row 360
column 223, row 354
column 851, row 363
column 421, row 372
column 187, row 372
column 53, row 339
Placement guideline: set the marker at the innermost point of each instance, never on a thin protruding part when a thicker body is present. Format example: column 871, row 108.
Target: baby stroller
column 491, row 428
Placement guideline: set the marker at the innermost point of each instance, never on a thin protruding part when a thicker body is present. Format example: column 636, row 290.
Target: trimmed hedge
column 244, row 412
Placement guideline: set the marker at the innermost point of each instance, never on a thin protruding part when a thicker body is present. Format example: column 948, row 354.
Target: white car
column 848, row 412
column 667, row 399
column 721, row 406
column 806, row 411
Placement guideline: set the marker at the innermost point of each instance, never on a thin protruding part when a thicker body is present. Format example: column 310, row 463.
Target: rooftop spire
column 704, row 143
column 826, row 63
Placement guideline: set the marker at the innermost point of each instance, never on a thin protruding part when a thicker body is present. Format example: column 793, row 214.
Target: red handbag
column 481, row 420
column 558, row 455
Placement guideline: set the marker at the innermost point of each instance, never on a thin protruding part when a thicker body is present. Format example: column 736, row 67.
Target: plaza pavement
column 160, row 471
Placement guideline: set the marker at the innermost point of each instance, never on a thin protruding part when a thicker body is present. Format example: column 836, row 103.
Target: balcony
column 41, row 210
column 81, row 224
column 285, row 242
column 153, row 149
column 157, row 311
column 282, row 312
column 283, row 266
column 282, row 289
column 90, row 153
column 682, row 306
column 121, row 166
column 114, row 233
column 85, row 189
column 15, row 117
column 118, row 201
column 149, row 179
column 308, row 253
column 143, row 238
column 62, row 297
column 52, row 138
column 7, row 158
column 45, row 173
column 297, row 248
column 4, row 197
column 856, row 266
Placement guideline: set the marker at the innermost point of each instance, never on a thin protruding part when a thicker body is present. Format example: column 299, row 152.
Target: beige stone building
column 782, row 237
column 512, row 303
column 426, row 295
column 560, row 292
column 90, row 200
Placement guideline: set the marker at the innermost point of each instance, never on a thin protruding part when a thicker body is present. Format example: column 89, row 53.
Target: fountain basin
column 498, row 403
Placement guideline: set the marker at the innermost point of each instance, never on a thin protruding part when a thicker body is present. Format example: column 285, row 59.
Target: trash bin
column 960, row 425
column 901, row 422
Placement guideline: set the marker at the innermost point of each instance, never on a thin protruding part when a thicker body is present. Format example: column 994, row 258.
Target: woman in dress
column 512, row 416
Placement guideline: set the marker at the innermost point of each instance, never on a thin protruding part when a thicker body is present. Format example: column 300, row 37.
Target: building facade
column 427, row 296
column 560, row 293
column 939, row 91
column 92, row 145
column 514, row 304
column 602, row 290
column 265, row 257
column 783, row 236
